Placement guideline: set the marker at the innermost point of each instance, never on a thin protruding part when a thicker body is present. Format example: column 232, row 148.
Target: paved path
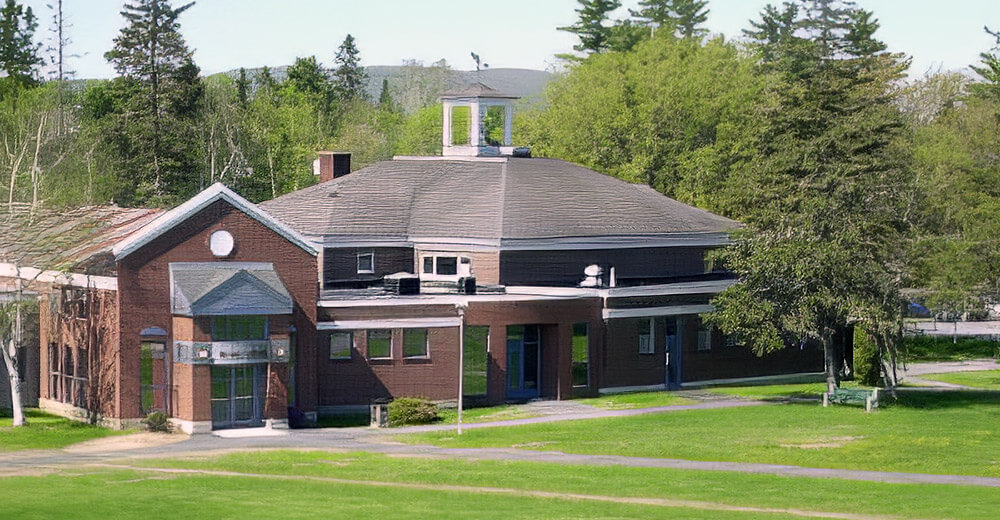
column 915, row 370
column 109, row 450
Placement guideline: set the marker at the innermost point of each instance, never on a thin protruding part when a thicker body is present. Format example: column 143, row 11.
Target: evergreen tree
column 989, row 70
column 242, row 88
column 349, row 77
column 591, row 27
column 825, row 197
column 385, row 101
column 679, row 17
column 161, row 85
column 18, row 52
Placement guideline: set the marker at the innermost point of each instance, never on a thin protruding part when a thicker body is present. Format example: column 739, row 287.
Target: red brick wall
column 144, row 295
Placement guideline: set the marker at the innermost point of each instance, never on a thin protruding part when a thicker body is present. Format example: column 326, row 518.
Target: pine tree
column 680, row 17
column 591, row 26
column 988, row 70
column 825, row 198
column 385, row 100
column 242, row 88
column 349, row 77
column 18, row 52
column 150, row 54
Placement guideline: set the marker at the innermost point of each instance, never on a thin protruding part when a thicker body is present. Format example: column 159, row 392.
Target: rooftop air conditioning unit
column 402, row 284
column 467, row 285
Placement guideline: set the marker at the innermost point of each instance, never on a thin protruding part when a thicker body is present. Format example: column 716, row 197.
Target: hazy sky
column 228, row 34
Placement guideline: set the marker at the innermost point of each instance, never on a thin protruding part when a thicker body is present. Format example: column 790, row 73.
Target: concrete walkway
column 915, row 370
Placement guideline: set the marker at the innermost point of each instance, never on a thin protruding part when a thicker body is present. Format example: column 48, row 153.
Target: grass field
column 985, row 379
column 635, row 400
column 797, row 390
column 46, row 432
column 942, row 348
column 952, row 433
column 365, row 485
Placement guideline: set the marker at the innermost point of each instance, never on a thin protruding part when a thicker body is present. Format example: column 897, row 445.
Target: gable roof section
column 222, row 288
column 192, row 206
column 497, row 201
column 71, row 240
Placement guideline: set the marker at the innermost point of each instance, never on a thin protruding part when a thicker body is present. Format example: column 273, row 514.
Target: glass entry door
column 154, row 377
column 237, row 395
column 523, row 361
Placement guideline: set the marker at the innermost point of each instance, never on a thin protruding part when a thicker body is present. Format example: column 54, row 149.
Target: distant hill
column 526, row 83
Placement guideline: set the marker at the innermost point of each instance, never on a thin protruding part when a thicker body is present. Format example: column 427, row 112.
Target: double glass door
column 237, row 395
column 523, row 362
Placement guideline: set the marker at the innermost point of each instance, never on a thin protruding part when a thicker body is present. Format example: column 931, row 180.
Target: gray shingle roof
column 223, row 288
column 492, row 199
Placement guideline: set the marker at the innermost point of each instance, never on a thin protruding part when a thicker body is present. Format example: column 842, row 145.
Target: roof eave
column 218, row 191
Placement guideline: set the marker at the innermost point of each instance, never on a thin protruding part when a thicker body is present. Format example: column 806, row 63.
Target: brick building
column 520, row 277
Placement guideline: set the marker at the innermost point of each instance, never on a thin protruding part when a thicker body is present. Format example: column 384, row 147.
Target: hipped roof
column 492, row 199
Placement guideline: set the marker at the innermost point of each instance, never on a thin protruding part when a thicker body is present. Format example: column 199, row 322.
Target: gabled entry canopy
column 224, row 288
column 167, row 221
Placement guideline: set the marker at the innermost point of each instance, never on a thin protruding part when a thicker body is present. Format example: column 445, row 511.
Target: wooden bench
column 852, row 396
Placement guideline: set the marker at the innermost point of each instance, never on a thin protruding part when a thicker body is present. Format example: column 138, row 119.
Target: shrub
column 412, row 410
column 157, row 422
column 866, row 364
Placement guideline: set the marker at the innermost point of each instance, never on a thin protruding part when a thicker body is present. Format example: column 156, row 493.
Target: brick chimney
column 331, row 165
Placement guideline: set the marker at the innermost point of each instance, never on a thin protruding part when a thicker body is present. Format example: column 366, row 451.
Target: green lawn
column 942, row 348
column 46, row 431
column 635, row 400
column 132, row 493
column 104, row 493
column 485, row 414
column 952, row 433
column 985, row 379
column 797, row 390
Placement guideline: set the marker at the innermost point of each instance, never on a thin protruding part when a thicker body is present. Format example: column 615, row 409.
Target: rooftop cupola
column 477, row 121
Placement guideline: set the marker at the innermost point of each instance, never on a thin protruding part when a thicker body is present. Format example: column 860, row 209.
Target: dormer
column 477, row 122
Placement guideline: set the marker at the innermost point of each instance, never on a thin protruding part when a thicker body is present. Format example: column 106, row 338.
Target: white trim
column 401, row 323
column 465, row 158
column 715, row 286
column 754, row 379
column 107, row 283
column 213, row 193
column 709, row 239
column 616, row 241
column 645, row 312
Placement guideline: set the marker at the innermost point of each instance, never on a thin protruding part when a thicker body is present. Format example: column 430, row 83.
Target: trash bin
column 379, row 412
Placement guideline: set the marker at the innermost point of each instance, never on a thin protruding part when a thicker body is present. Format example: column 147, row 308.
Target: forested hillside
column 860, row 190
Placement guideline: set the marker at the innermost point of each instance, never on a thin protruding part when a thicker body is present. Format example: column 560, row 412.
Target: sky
column 228, row 34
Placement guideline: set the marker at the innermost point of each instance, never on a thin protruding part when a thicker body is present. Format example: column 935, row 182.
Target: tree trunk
column 11, row 362
column 833, row 361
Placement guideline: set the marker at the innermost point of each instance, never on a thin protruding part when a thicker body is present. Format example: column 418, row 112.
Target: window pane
column 366, row 262
column 414, row 343
column 428, row 265
column 379, row 344
column 461, row 117
column 340, row 345
column 474, row 372
column 239, row 328
column 447, row 265
column 646, row 344
column 581, row 354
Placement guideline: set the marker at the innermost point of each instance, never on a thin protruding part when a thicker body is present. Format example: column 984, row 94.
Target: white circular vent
column 221, row 243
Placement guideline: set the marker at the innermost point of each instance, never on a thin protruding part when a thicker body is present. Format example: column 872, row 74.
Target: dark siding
column 340, row 265
column 632, row 266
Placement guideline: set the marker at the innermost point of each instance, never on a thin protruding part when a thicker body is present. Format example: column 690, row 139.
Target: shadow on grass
column 941, row 399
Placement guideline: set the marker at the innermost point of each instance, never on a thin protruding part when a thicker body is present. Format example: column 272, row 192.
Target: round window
column 221, row 243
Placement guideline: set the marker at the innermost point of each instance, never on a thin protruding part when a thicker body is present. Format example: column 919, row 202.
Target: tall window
column 581, row 355
column 415, row 343
column 379, row 344
column 341, row 344
column 239, row 328
column 474, row 371
column 704, row 337
column 646, row 344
